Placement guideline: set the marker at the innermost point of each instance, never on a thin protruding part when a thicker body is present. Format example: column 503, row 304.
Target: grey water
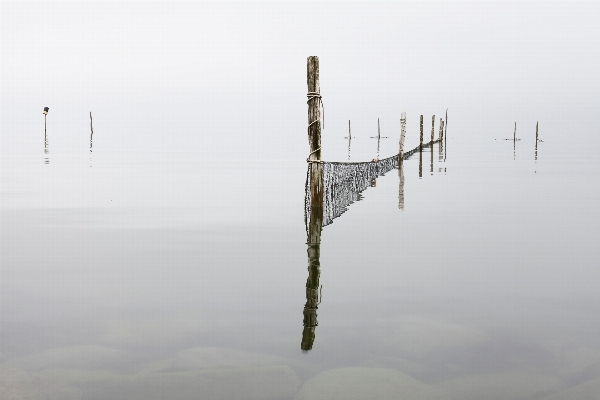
column 151, row 273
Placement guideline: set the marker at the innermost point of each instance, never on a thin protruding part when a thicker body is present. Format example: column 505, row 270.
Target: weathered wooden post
column 402, row 136
column 421, row 135
column 432, row 129
column 314, row 132
column 315, row 191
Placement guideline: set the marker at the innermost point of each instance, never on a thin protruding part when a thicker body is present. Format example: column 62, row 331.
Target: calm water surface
column 164, row 275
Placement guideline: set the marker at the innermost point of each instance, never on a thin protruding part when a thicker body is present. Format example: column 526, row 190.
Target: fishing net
column 344, row 182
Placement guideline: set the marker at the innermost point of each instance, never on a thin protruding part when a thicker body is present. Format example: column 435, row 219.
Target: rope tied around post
column 313, row 161
column 316, row 95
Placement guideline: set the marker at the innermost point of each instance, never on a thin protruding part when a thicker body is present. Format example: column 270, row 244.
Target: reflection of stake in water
column 401, row 185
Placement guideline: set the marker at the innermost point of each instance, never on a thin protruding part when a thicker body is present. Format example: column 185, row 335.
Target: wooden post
column 314, row 132
column 441, row 140
column 349, row 131
column 315, row 190
column 432, row 128
column 92, row 132
column 515, row 134
column 445, row 135
column 421, row 135
column 378, row 139
column 402, row 135
column 536, row 139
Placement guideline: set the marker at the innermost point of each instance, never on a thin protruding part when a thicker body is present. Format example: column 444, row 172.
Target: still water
column 472, row 273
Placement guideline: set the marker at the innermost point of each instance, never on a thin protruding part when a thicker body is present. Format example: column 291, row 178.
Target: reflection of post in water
column 314, row 194
column 46, row 149
column 312, row 282
column 401, row 185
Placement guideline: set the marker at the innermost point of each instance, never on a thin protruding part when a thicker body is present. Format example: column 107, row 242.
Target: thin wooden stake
column 432, row 128
column 349, row 131
column 515, row 134
column 421, row 135
column 402, row 134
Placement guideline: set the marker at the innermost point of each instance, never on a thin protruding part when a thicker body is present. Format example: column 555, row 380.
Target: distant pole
column 349, row 131
column 432, row 128
column 378, row 138
column 446, row 135
column 515, row 134
column 92, row 131
column 314, row 130
column 45, row 112
column 536, row 139
column 441, row 139
column 421, row 135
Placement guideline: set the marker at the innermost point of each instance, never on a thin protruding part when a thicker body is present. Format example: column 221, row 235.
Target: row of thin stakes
column 315, row 104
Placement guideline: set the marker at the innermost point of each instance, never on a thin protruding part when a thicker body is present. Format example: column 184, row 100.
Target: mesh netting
column 344, row 182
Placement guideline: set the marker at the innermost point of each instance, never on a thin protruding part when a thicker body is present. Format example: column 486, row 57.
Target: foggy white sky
column 246, row 62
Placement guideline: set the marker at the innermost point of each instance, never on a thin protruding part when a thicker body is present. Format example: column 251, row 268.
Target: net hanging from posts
column 344, row 182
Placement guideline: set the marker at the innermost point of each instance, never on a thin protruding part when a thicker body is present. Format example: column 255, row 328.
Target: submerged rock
column 263, row 383
column 367, row 383
column 72, row 357
column 501, row 386
column 589, row 390
column 17, row 384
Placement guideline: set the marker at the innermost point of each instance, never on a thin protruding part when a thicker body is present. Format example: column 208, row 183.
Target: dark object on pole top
column 46, row 109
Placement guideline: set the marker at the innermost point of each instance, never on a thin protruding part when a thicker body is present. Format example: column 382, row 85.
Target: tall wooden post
column 421, row 135
column 314, row 131
column 515, row 133
column 315, row 191
column 432, row 128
